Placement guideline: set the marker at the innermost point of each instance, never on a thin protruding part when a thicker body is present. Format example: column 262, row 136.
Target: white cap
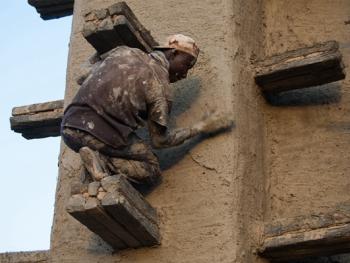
column 182, row 43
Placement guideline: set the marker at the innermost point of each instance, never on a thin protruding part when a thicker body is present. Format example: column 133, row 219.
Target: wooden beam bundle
column 38, row 120
column 117, row 25
column 117, row 213
column 318, row 242
column 306, row 67
column 307, row 236
column 51, row 9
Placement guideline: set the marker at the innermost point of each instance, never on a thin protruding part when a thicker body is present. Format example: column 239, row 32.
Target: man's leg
column 84, row 144
column 93, row 163
column 136, row 161
column 141, row 172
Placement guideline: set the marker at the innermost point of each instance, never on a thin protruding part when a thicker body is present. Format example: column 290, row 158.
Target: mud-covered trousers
column 136, row 161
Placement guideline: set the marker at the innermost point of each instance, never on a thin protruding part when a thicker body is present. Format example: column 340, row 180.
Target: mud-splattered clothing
column 123, row 91
column 136, row 161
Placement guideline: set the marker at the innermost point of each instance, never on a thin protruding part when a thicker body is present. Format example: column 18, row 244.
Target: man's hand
column 214, row 123
column 162, row 138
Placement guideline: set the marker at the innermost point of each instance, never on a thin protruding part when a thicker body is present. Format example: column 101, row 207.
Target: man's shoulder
column 125, row 51
column 135, row 61
column 125, row 54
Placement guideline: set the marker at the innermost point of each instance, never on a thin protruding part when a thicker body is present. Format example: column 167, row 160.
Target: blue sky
column 32, row 69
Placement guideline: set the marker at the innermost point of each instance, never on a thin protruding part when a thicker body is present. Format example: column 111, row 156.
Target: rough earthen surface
column 307, row 135
column 278, row 162
column 206, row 187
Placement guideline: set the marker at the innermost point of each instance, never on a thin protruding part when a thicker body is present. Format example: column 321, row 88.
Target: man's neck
column 160, row 57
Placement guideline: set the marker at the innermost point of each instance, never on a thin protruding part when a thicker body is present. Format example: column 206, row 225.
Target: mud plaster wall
column 211, row 198
column 307, row 132
column 211, row 202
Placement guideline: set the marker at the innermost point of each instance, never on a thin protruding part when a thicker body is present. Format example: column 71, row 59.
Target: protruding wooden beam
column 38, row 107
column 38, row 120
column 77, row 208
column 308, row 236
column 132, row 219
column 117, row 25
column 51, row 9
column 121, row 217
column 318, row 242
column 306, row 67
column 123, row 9
column 118, row 185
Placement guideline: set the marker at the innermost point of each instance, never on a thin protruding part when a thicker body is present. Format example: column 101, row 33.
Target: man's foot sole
column 92, row 163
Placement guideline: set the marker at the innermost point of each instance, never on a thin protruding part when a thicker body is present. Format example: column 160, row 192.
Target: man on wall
column 123, row 92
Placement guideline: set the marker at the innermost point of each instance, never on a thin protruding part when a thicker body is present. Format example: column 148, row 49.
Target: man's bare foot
column 92, row 163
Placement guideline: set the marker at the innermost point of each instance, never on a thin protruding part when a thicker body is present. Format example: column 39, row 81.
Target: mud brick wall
column 285, row 158
column 307, row 135
column 307, row 132
column 206, row 188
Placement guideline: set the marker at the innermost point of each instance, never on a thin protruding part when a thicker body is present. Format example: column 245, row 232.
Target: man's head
column 181, row 52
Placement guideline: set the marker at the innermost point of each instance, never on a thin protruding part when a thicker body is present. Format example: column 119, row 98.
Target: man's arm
column 163, row 138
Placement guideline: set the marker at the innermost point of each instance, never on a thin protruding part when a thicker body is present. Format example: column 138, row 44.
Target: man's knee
column 137, row 171
column 76, row 139
column 71, row 139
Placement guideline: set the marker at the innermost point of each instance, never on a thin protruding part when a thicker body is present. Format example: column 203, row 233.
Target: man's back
column 115, row 98
column 123, row 91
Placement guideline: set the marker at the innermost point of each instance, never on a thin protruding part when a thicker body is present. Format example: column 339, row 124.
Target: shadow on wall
column 185, row 93
column 318, row 95
column 97, row 246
